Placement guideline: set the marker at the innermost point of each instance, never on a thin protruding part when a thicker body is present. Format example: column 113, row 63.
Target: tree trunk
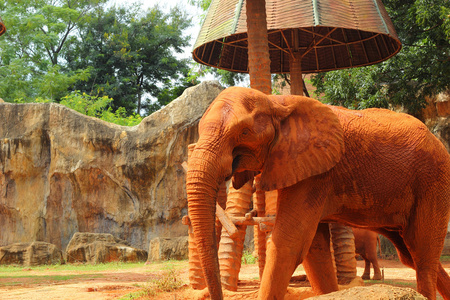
column 295, row 66
column 258, row 46
column 140, row 82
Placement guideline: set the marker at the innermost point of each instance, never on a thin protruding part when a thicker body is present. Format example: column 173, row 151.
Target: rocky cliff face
column 62, row 172
column 437, row 117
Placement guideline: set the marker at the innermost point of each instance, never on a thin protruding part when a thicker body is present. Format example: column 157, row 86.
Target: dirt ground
column 116, row 284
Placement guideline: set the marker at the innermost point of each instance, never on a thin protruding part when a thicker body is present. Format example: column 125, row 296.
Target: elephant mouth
column 235, row 164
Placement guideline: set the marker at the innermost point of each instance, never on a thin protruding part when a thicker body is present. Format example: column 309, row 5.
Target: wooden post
column 295, row 66
column 258, row 46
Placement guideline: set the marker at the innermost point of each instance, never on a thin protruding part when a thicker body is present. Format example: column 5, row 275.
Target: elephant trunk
column 202, row 184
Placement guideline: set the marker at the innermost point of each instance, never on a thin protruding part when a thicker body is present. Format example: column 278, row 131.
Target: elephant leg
column 376, row 269
column 402, row 250
column 318, row 263
column 443, row 283
column 425, row 241
column 294, row 230
column 427, row 264
column 230, row 249
column 343, row 242
column 366, row 274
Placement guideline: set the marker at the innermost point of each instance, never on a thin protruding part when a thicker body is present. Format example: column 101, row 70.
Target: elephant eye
column 245, row 133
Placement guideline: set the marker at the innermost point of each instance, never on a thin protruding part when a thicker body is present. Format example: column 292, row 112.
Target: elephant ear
column 308, row 142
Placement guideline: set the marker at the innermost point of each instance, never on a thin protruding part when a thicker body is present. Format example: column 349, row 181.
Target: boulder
column 168, row 248
column 30, row 254
column 101, row 248
column 374, row 292
column 62, row 172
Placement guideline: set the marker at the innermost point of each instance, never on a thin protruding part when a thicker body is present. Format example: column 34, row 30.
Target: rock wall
column 437, row 117
column 62, row 172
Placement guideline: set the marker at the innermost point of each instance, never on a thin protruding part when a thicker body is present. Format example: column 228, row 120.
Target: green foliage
column 354, row 88
column 203, row 4
column 132, row 54
column 99, row 107
column 171, row 90
column 420, row 69
column 86, row 104
column 248, row 258
column 129, row 54
column 226, row 78
column 37, row 36
column 387, row 248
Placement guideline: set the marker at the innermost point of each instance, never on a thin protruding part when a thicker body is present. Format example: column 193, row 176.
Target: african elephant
column 374, row 168
column 366, row 246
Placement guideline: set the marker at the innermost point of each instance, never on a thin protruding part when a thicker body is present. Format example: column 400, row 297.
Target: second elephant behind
column 366, row 246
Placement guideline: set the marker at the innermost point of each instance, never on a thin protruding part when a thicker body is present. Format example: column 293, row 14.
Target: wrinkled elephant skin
column 374, row 168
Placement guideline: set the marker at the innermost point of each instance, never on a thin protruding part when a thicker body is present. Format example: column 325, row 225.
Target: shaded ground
column 115, row 284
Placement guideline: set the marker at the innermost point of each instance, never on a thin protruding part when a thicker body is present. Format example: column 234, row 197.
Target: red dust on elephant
column 373, row 169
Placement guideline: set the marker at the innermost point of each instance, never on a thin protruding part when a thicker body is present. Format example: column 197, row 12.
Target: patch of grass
column 70, row 267
column 36, row 279
column 167, row 281
column 166, row 265
column 4, row 284
column 248, row 258
column 394, row 283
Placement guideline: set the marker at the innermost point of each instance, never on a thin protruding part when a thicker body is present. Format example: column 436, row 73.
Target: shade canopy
column 325, row 34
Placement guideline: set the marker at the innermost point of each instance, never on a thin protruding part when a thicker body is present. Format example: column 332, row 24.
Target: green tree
column 420, row 69
column 226, row 78
column 99, row 107
column 171, row 90
column 38, row 32
column 131, row 55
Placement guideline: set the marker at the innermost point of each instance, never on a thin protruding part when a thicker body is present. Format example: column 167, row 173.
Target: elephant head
column 245, row 132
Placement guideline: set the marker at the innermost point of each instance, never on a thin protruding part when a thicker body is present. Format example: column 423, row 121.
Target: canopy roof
column 328, row 34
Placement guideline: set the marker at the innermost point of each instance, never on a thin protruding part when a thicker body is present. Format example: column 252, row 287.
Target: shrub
column 248, row 258
column 95, row 106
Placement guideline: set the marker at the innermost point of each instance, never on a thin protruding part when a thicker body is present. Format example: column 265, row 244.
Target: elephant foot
column 377, row 277
column 365, row 276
